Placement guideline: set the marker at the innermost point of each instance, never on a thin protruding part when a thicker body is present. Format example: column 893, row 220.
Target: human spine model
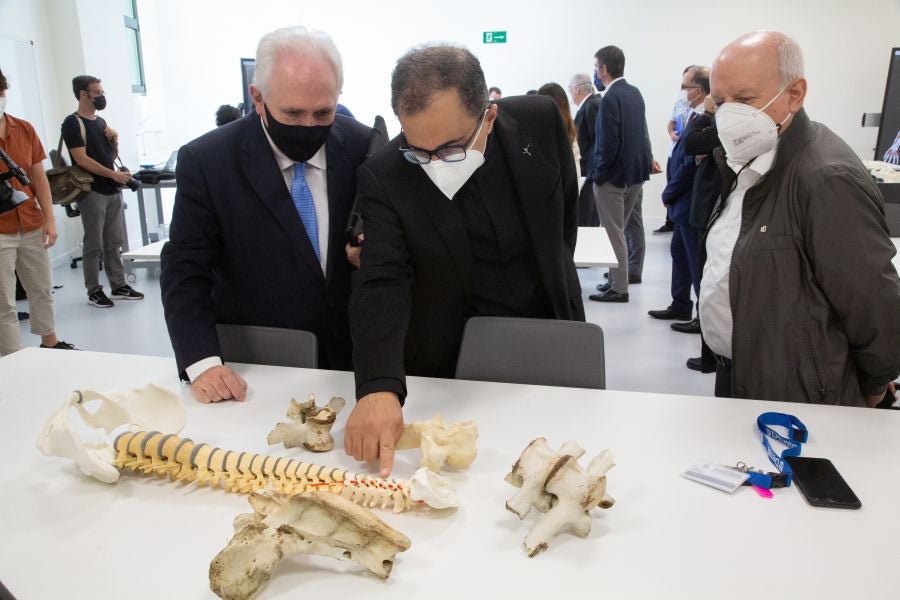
column 183, row 460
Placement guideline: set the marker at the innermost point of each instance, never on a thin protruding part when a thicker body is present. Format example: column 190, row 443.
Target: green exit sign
column 494, row 37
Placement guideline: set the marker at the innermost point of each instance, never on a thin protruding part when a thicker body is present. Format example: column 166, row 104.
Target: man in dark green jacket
column 799, row 299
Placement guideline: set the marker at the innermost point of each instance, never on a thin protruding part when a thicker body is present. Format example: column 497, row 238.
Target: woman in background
column 558, row 94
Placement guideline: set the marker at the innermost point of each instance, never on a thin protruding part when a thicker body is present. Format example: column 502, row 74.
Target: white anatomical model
column 310, row 425
column 150, row 407
column 311, row 523
column 441, row 444
column 556, row 485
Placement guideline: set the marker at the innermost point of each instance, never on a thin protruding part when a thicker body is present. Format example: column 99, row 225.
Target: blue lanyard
column 798, row 435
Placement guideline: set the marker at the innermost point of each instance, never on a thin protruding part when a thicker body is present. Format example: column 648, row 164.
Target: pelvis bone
column 150, row 407
column 310, row 425
column 441, row 444
column 555, row 484
column 311, row 523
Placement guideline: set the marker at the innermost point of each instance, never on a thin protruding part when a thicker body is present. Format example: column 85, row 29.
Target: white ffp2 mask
column 745, row 131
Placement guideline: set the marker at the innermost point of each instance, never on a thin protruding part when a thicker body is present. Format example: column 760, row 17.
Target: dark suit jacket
column 680, row 171
column 412, row 295
column 585, row 124
column 701, row 141
column 622, row 154
column 238, row 252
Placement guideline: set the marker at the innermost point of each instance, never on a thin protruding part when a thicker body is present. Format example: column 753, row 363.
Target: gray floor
column 642, row 354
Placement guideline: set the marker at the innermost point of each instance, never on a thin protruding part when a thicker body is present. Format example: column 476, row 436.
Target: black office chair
column 268, row 346
column 533, row 351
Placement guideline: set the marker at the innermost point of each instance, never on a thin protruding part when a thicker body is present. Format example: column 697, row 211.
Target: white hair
column 790, row 60
column 299, row 40
column 579, row 79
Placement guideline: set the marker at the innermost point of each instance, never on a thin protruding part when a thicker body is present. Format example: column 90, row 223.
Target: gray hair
column 298, row 40
column 790, row 60
column 580, row 80
column 428, row 69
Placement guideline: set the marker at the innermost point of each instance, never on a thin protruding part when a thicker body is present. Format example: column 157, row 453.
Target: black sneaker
column 100, row 300
column 127, row 293
column 61, row 345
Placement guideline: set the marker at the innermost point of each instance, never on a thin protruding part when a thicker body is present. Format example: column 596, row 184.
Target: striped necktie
column 306, row 208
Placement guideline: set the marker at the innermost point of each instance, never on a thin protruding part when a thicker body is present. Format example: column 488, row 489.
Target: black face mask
column 298, row 142
column 99, row 102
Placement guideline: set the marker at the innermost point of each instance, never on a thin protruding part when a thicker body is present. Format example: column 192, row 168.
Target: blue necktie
column 306, row 208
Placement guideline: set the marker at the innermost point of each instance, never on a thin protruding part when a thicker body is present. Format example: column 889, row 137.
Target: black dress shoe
column 609, row 296
column 696, row 364
column 634, row 279
column 667, row 227
column 669, row 313
column 602, row 287
column 692, row 326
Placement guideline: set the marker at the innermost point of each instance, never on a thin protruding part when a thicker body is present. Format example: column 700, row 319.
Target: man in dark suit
column 260, row 210
column 678, row 198
column 472, row 210
column 587, row 103
column 622, row 162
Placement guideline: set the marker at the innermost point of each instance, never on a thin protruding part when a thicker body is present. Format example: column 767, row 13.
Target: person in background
column 26, row 233
column 558, row 95
column 587, row 104
column 226, row 114
column 92, row 146
column 799, row 300
column 494, row 93
column 471, row 210
column 676, row 124
column 257, row 234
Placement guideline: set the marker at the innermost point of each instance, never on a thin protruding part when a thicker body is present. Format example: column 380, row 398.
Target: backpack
column 68, row 183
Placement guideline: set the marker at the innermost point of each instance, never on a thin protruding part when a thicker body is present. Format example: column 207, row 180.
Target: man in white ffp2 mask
column 471, row 211
column 798, row 299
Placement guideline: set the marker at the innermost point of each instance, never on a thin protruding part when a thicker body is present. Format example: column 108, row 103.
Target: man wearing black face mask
column 260, row 209
column 92, row 145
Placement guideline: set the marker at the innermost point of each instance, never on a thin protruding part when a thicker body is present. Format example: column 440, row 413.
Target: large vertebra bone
column 183, row 460
column 441, row 444
column 310, row 425
column 150, row 407
column 555, row 484
column 309, row 523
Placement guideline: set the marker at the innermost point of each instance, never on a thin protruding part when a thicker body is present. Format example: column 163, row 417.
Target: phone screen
column 821, row 484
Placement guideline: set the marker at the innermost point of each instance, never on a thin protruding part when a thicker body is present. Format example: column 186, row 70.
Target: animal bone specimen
column 441, row 445
column 183, row 460
column 310, row 425
column 150, row 407
column 309, row 523
column 555, row 484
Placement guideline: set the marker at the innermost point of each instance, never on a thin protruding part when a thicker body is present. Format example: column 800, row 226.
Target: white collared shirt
column 611, row 83
column 315, row 175
column 716, row 319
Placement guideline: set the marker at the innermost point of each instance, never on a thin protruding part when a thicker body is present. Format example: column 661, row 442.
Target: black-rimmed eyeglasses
column 446, row 153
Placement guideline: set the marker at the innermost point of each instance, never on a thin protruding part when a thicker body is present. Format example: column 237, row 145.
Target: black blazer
column 411, row 298
column 238, row 252
column 622, row 154
column 585, row 122
column 702, row 140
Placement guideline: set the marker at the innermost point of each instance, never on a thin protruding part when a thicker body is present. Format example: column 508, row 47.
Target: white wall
column 200, row 44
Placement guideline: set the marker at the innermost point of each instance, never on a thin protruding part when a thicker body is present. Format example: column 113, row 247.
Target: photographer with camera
column 27, row 230
column 92, row 145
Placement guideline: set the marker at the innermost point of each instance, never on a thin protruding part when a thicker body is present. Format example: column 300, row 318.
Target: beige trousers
column 24, row 253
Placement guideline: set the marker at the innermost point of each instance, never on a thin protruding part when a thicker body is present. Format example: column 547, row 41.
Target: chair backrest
column 535, row 351
column 892, row 214
column 268, row 346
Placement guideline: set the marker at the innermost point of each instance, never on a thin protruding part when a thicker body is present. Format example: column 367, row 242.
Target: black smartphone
column 821, row 484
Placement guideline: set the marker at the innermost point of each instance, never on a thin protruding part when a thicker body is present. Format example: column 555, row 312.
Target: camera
column 133, row 184
column 9, row 197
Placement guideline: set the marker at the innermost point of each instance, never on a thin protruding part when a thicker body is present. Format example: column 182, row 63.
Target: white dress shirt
column 315, row 178
column 716, row 318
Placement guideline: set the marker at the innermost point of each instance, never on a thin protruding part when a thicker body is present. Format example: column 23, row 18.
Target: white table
column 63, row 535
column 593, row 248
column 146, row 256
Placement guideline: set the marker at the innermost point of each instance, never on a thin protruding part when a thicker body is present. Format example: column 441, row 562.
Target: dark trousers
column 723, row 379
column 587, row 208
column 685, row 270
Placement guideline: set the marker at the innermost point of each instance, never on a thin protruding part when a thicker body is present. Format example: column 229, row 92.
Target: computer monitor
column 888, row 146
column 248, row 66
